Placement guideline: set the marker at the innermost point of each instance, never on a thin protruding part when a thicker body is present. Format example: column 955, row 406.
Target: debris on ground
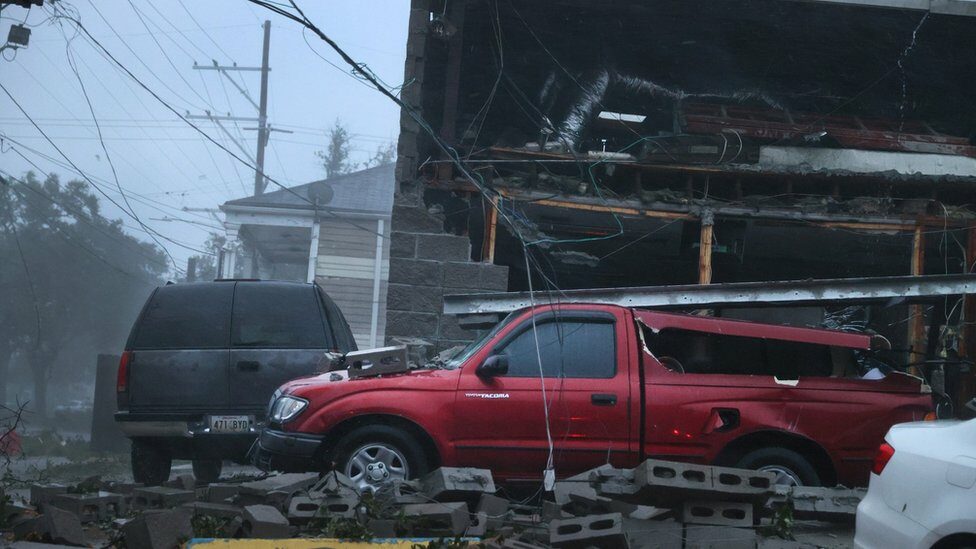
column 659, row 504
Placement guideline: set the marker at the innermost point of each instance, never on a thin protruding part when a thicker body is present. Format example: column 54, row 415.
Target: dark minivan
column 203, row 360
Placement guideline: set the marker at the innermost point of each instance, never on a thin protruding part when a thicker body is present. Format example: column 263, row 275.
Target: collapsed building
column 576, row 144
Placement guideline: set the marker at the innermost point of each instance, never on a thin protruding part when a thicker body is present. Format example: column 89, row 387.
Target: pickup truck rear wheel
column 789, row 467
column 375, row 455
column 150, row 465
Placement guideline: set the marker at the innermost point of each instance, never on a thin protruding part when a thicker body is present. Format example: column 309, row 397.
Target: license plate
column 230, row 424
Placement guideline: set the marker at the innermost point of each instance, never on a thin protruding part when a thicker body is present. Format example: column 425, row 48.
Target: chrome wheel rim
column 784, row 475
column 376, row 464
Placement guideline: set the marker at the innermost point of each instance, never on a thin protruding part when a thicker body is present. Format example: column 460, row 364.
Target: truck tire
column 374, row 455
column 207, row 470
column 150, row 465
column 789, row 466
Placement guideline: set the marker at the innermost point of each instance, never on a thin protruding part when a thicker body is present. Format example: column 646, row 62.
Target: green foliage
column 782, row 522
column 340, row 528
column 335, row 158
column 73, row 279
column 442, row 543
column 208, row 526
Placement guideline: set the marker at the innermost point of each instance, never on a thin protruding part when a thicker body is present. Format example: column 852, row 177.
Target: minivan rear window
column 186, row 316
column 277, row 316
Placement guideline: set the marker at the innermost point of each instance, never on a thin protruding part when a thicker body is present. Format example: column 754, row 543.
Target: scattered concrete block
column 219, row 493
column 43, row 493
column 654, row 534
column 668, row 482
column 160, row 497
column 495, row 508
column 590, row 531
column 219, row 510
column 718, row 513
column 183, row 482
column 302, row 509
column 233, row 528
column 265, row 522
column 54, row 526
column 448, row 518
column 288, row 482
column 335, row 483
column 457, row 483
column 719, row 537
column 158, row 529
column 91, row 507
column 830, row 504
column 478, row 527
column 743, row 484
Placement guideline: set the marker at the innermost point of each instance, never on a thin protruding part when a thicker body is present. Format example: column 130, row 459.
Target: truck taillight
column 122, row 381
column 881, row 459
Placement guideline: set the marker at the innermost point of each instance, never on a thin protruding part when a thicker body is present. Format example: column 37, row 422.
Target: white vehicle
column 922, row 492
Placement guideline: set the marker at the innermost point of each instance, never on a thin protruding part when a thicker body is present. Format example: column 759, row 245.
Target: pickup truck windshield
column 473, row 347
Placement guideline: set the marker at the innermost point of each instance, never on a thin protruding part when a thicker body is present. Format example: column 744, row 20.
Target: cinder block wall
column 426, row 264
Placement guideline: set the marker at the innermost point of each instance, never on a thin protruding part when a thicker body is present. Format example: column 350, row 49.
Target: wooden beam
column 491, row 231
column 705, row 250
column 916, row 326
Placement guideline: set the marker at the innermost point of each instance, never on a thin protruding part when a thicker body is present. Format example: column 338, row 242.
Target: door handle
column 602, row 399
column 248, row 365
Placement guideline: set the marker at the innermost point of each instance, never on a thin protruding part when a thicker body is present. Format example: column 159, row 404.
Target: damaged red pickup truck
column 621, row 385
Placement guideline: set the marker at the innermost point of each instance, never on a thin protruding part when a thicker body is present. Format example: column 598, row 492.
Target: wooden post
column 705, row 248
column 491, row 230
column 916, row 327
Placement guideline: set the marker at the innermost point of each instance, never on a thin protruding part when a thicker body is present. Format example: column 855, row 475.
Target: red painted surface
column 499, row 423
column 9, row 443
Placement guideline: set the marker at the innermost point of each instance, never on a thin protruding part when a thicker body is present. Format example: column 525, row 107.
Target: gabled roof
column 365, row 191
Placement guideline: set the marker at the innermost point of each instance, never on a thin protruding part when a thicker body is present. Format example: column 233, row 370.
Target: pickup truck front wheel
column 375, row 455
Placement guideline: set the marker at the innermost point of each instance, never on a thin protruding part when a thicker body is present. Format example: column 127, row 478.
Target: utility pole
column 259, row 181
column 264, row 129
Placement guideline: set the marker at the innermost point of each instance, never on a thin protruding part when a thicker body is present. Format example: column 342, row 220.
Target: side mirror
column 495, row 365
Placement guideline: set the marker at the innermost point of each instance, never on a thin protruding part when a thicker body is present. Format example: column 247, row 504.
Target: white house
column 334, row 231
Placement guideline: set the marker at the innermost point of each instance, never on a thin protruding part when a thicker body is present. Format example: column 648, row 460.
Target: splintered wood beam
column 916, row 326
column 705, row 253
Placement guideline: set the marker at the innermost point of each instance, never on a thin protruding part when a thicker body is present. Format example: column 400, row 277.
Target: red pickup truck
column 621, row 385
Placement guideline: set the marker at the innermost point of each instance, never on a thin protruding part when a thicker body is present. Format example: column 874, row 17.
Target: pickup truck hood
column 421, row 378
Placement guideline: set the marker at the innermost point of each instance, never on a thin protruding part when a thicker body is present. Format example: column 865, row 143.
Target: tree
column 206, row 264
column 335, row 159
column 385, row 154
column 73, row 280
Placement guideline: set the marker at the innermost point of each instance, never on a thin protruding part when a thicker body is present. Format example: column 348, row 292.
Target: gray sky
column 162, row 164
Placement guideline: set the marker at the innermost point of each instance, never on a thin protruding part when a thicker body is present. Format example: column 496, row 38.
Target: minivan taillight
column 122, row 381
column 881, row 459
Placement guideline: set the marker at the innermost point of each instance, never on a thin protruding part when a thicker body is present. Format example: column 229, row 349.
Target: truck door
column 501, row 421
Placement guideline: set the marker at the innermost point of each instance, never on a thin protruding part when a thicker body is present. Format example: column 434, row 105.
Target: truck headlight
column 286, row 408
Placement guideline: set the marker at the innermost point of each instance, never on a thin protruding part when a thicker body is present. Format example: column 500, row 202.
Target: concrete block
column 264, row 522
column 718, row 513
column 653, row 534
column 495, row 508
column 402, row 492
column 450, row 328
column 719, row 537
column 403, row 323
column 478, row 527
column 829, row 504
column 91, row 507
column 590, row 531
column 665, row 482
column 457, row 483
column 233, row 528
column 219, row 510
column 43, row 493
column 416, row 272
column 302, row 509
column 288, row 482
column 158, row 529
column 415, row 219
column 680, row 477
column 54, row 526
column 477, row 277
column 219, row 493
column 438, row 519
column 743, row 483
column 160, row 497
column 403, row 245
column 336, row 484
column 443, row 247
column 405, row 297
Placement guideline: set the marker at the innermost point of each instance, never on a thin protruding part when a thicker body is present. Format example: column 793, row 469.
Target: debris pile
column 658, row 504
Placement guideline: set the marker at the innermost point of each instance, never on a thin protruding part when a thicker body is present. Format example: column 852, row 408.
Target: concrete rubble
column 659, row 504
